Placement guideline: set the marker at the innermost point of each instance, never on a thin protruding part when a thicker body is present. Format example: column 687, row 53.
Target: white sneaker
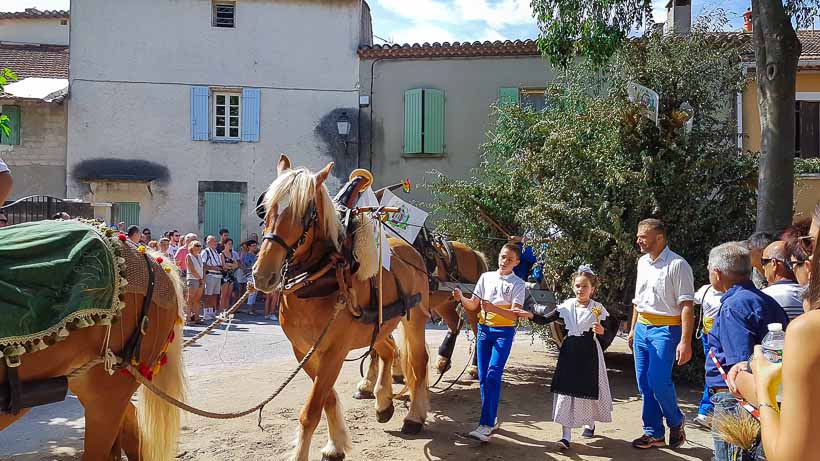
column 481, row 433
column 703, row 421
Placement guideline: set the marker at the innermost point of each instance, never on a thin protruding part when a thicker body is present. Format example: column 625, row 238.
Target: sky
column 419, row 21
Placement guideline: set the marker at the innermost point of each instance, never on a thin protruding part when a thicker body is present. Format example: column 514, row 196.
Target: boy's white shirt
column 501, row 290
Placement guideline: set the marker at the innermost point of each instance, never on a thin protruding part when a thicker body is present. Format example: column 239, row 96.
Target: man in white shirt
column 5, row 181
column 662, row 322
column 782, row 285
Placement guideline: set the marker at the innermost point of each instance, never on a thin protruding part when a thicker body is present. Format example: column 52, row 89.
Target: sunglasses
column 795, row 263
column 197, row 246
column 766, row 261
column 806, row 243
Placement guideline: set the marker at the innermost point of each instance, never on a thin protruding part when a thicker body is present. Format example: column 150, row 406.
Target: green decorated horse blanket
column 55, row 276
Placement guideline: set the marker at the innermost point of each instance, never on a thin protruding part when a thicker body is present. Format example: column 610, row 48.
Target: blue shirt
column 528, row 259
column 745, row 314
column 249, row 260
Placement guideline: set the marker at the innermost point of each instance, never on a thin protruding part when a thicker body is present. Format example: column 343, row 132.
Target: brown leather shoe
column 677, row 436
column 647, row 441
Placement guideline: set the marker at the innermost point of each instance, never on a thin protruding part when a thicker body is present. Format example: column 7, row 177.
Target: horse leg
column 327, row 371
column 130, row 434
column 364, row 390
column 387, row 351
column 449, row 313
column 414, row 358
column 339, row 438
column 472, row 318
column 7, row 420
column 105, row 409
column 395, row 369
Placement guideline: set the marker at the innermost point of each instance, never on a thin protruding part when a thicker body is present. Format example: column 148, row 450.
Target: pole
column 381, row 270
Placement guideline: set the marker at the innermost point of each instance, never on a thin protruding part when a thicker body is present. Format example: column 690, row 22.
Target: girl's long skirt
column 577, row 412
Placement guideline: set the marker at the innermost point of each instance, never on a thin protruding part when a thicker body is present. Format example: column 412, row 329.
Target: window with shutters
column 807, row 129
column 533, row 98
column 424, row 121
column 224, row 14
column 227, row 115
column 12, row 114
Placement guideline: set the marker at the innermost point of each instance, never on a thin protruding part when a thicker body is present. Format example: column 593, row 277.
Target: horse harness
column 17, row 397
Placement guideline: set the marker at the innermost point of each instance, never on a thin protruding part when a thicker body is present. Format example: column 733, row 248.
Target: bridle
column 311, row 217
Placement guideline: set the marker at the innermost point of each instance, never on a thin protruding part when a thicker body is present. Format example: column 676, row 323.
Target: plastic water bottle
column 773, row 343
column 773, row 348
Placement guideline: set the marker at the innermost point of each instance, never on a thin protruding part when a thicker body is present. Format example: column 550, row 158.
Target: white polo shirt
column 787, row 294
column 663, row 284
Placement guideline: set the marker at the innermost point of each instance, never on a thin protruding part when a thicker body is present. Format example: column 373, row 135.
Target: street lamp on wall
column 343, row 128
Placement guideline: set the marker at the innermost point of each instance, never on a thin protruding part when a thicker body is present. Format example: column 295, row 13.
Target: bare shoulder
column 805, row 331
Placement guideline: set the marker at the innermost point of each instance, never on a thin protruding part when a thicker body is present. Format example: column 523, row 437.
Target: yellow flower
column 597, row 311
column 141, row 248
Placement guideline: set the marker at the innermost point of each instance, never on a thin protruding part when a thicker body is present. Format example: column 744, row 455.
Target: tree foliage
column 6, row 76
column 583, row 172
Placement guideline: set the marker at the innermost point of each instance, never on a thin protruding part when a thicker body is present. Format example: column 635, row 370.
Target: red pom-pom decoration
column 150, row 375
column 125, row 372
column 163, row 359
column 159, row 259
column 122, row 237
column 144, row 370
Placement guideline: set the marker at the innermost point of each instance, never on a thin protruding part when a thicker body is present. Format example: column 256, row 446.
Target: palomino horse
column 112, row 423
column 469, row 265
column 302, row 230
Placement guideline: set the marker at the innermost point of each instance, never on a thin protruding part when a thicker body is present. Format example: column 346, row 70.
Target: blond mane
column 300, row 185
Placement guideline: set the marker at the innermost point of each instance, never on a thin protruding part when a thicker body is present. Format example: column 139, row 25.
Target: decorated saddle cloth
column 55, row 276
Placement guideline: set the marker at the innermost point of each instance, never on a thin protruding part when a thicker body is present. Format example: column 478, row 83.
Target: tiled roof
column 34, row 13
column 47, row 61
column 810, row 40
column 451, row 50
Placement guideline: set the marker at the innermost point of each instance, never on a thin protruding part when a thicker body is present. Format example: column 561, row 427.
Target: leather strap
column 15, row 391
column 132, row 348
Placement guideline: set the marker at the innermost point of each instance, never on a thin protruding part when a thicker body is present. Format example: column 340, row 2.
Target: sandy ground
column 234, row 381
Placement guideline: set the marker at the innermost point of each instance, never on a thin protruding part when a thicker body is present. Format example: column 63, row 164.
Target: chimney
column 678, row 17
column 747, row 21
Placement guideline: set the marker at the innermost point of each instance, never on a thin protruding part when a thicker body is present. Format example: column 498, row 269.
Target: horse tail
column 160, row 421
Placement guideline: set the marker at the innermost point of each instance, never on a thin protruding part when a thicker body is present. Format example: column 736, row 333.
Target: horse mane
column 300, row 185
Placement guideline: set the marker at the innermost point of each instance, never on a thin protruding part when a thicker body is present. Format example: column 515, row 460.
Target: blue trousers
column 654, row 350
column 492, row 349
column 706, row 405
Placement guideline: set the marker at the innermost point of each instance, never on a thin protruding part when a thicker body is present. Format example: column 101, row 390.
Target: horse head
column 298, row 212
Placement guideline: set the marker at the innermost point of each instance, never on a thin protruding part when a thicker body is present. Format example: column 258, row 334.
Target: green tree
column 6, row 75
column 597, row 28
column 583, row 172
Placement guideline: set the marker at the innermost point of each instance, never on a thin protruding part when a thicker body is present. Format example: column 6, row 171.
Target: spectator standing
column 134, row 234
column 662, row 326
column 164, row 245
column 743, row 320
column 146, row 236
column 194, row 280
column 230, row 263
column 154, row 245
column 247, row 267
column 782, row 285
column 182, row 252
column 224, row 234
column 756, row 244
column 212, row 263
column 174, row 243
column 709, row 300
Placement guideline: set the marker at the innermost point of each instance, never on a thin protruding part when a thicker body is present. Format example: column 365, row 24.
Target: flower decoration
column 122, row 237
column 141, row 249
column 167, row 269
column 159, row 259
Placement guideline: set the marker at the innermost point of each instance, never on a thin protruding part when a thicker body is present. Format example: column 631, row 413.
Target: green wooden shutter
column 222, row 211
column 433, row 121
column 508, row 96
column 412, row 121
column 127, row 212
column 13, row 113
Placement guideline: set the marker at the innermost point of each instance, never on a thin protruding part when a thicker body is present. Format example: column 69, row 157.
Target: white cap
column 775, row 327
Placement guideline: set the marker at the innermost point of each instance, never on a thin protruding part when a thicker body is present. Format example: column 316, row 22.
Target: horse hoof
column 411, row 428
column 385, row 415
column 443, row 365
column 333, row 457
column 473, row 372
column 398, row 379
column 363, row 395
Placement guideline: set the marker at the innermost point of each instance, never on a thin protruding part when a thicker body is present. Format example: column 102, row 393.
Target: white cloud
column 421, row 33
column 659, row 10
column 491, row 35
column 420, row 10
column 503, row 13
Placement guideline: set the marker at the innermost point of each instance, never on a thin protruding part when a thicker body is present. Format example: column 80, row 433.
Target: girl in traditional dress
column 579, row 384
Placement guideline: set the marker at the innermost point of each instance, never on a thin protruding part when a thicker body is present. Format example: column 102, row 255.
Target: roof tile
column 46, row 61
column 34, row 13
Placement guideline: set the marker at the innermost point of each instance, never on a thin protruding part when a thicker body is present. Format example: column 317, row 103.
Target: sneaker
column 703, row 421
column 588, row 433
column 647, row 441
column 481, row 433
column 562, row 444
column 677, row 436
column 497, row 425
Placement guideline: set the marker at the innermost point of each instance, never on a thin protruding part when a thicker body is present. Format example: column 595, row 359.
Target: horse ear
column 283, row 165
column 323, row 174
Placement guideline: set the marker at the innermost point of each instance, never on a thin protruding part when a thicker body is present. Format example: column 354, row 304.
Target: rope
column 467, row 365
column 219, row 320
column 238, row 414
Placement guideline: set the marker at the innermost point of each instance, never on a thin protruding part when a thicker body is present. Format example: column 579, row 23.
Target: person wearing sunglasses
column 756, row 243
column 782, row 285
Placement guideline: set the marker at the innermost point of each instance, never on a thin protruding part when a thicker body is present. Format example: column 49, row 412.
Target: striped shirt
column 787, row 294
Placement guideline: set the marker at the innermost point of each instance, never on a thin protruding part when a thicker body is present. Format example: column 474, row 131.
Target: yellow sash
column 658, row 320
column 491, row 319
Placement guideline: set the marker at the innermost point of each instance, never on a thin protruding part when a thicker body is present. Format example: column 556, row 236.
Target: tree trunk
column 777, row 51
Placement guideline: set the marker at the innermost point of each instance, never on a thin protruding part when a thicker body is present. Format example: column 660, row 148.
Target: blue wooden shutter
column 199, row 113
column 508, row 96
column 433, row 121
column 222, row 211
column 13, row 113
column 412, row 121
column 251, row 98
column 127, row 212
